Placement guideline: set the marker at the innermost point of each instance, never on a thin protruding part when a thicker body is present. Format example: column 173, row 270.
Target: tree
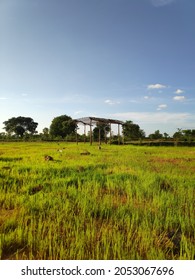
column 178, row 135
column 20, row 125
column 101, row 128
column 156, row 135
column 2, row 135
column 46, row 131
column 193, row 133
column 62, row 126
column 166, row 135
column 132, row 130
column 187, row 134
column 19, row 130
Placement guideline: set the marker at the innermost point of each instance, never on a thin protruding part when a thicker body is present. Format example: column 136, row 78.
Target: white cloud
column 161, row 106
column 111, row 102
column 78, row 113
column 179, row 91
column 108, row 101
column 146, row 97
column 161, row 3
column 156, row 86
column 179, row 98
column 150, row 117
column 3, row 98
column 162, row 120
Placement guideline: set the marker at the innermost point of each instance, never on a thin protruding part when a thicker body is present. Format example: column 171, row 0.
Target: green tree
column 166, row 135
column 20, row 125
column 2, row 135
column 19, row 130
column 156, row 135
column 178, row 134
column 45, row 133
column 62, row 126
column 193, row 133
column 188, row 135
column 102, row 129
column 132, row 131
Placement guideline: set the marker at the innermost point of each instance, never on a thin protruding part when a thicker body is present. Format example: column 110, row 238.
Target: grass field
column 120, row 202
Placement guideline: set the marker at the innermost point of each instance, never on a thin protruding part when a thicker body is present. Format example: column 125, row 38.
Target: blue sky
column 121, row 59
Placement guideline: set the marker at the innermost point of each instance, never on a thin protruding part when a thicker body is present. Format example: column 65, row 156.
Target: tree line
column 65, row 128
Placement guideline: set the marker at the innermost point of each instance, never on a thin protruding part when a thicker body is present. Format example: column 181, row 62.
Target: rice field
column 117, row 203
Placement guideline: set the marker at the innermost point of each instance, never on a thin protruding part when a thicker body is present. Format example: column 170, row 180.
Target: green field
column 120, row 202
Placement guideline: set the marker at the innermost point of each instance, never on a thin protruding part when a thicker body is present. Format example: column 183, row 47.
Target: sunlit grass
column 120, row 202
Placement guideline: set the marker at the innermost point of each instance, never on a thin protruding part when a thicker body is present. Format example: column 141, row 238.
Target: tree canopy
column 62, row 126
column 102, row 129
column 156, row 135
column 20, row 125
column 132, row 130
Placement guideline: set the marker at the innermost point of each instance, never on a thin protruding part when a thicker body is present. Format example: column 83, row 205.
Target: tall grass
column 120, row 202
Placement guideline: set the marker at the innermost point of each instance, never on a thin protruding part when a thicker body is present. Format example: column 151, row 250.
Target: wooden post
column 90, row 132
column 123, row 139
column 118, row 134
column 84, row 133
column 76, row 136
column 99, row 136
column 105, row 136
column 110, row 133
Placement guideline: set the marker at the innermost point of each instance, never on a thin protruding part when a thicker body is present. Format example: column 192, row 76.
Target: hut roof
column 95, row 120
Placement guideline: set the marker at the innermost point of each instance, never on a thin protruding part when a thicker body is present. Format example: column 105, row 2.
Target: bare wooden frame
column 94, row 121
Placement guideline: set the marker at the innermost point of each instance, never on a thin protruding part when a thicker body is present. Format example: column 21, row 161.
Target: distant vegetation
column 20, row 126
column 64, row 128
column 68, row 201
